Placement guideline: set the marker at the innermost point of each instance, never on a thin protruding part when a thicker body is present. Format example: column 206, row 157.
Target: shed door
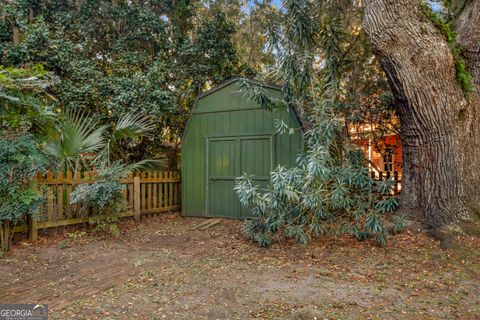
column 228, row 158
column 256, row 160
column 222, row 171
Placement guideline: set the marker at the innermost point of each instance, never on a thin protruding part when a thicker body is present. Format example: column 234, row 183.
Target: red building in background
column 383, row 150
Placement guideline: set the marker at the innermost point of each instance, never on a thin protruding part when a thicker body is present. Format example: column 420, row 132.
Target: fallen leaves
column 176, row 272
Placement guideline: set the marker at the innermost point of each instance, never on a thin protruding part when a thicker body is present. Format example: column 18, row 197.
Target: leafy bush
column 24, row 99
column 19, row 162
column 329, row 192
column 105, row 198
column 399, row 224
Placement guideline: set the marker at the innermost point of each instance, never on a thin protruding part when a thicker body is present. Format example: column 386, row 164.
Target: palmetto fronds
column 128, row 126
column 131, row 125
column 78, row 137
column 79, row 141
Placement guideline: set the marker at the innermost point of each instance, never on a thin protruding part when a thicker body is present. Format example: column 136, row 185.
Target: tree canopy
column 115, row 57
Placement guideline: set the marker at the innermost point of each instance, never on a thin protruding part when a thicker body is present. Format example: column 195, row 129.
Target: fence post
column 136, row 197
column 32, row 229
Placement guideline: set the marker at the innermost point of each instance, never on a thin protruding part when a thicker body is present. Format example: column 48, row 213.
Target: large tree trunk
column 439, row 121
column 468, row 39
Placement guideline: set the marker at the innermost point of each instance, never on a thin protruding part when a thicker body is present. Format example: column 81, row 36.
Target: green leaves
column 399, row 224
column 132, row 125
column 298, row 234
column 104, row 196
column 330, row 190
column 19, row 162
column 119, row 59
column 331, row 36
column 245, row 188
column 301, row 24
column 388, row 204
column 24, row 99
column 372, row 223
column 320, row 196
column 257, row 94
column 78, row 137
column 79, row 142
column 388, row 201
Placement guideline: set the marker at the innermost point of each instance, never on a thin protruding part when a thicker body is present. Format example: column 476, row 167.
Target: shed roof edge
column 227, row 83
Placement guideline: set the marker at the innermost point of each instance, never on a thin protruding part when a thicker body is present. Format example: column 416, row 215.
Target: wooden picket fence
column 385, row 175
column 145, row 193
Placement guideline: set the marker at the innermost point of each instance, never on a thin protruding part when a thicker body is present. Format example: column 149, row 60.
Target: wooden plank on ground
column 214, row 222
column 206, row 224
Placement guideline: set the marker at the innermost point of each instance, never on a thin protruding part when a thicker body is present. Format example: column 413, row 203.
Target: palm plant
column 77, row 139
column 80, row 142
column 128, row 126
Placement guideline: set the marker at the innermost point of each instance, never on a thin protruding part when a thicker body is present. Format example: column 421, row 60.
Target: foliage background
column 115, row 57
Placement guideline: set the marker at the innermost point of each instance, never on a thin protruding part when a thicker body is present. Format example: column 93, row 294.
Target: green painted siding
column 228, row 135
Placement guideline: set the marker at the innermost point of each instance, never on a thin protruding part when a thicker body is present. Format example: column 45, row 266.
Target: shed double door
column 227, row 159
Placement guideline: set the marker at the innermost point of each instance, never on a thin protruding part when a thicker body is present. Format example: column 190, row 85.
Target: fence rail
column 145, row 193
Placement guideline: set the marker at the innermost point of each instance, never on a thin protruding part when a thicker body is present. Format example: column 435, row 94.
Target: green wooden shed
column 227, row 135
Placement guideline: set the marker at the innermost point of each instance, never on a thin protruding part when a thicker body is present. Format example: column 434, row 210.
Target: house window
column 388, row 162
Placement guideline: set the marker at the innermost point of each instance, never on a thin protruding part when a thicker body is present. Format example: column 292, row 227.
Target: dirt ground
column 162, row 269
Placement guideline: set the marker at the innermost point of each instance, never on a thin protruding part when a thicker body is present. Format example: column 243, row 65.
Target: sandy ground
column 160, row 268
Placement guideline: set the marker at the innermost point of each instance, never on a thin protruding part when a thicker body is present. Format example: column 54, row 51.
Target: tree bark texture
column 439, row 122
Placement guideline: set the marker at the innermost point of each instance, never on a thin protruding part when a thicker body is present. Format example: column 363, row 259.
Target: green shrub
column 399, row 224
column 25, row 103
column 19, row 162
column 105, row 197
column 330, row 191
